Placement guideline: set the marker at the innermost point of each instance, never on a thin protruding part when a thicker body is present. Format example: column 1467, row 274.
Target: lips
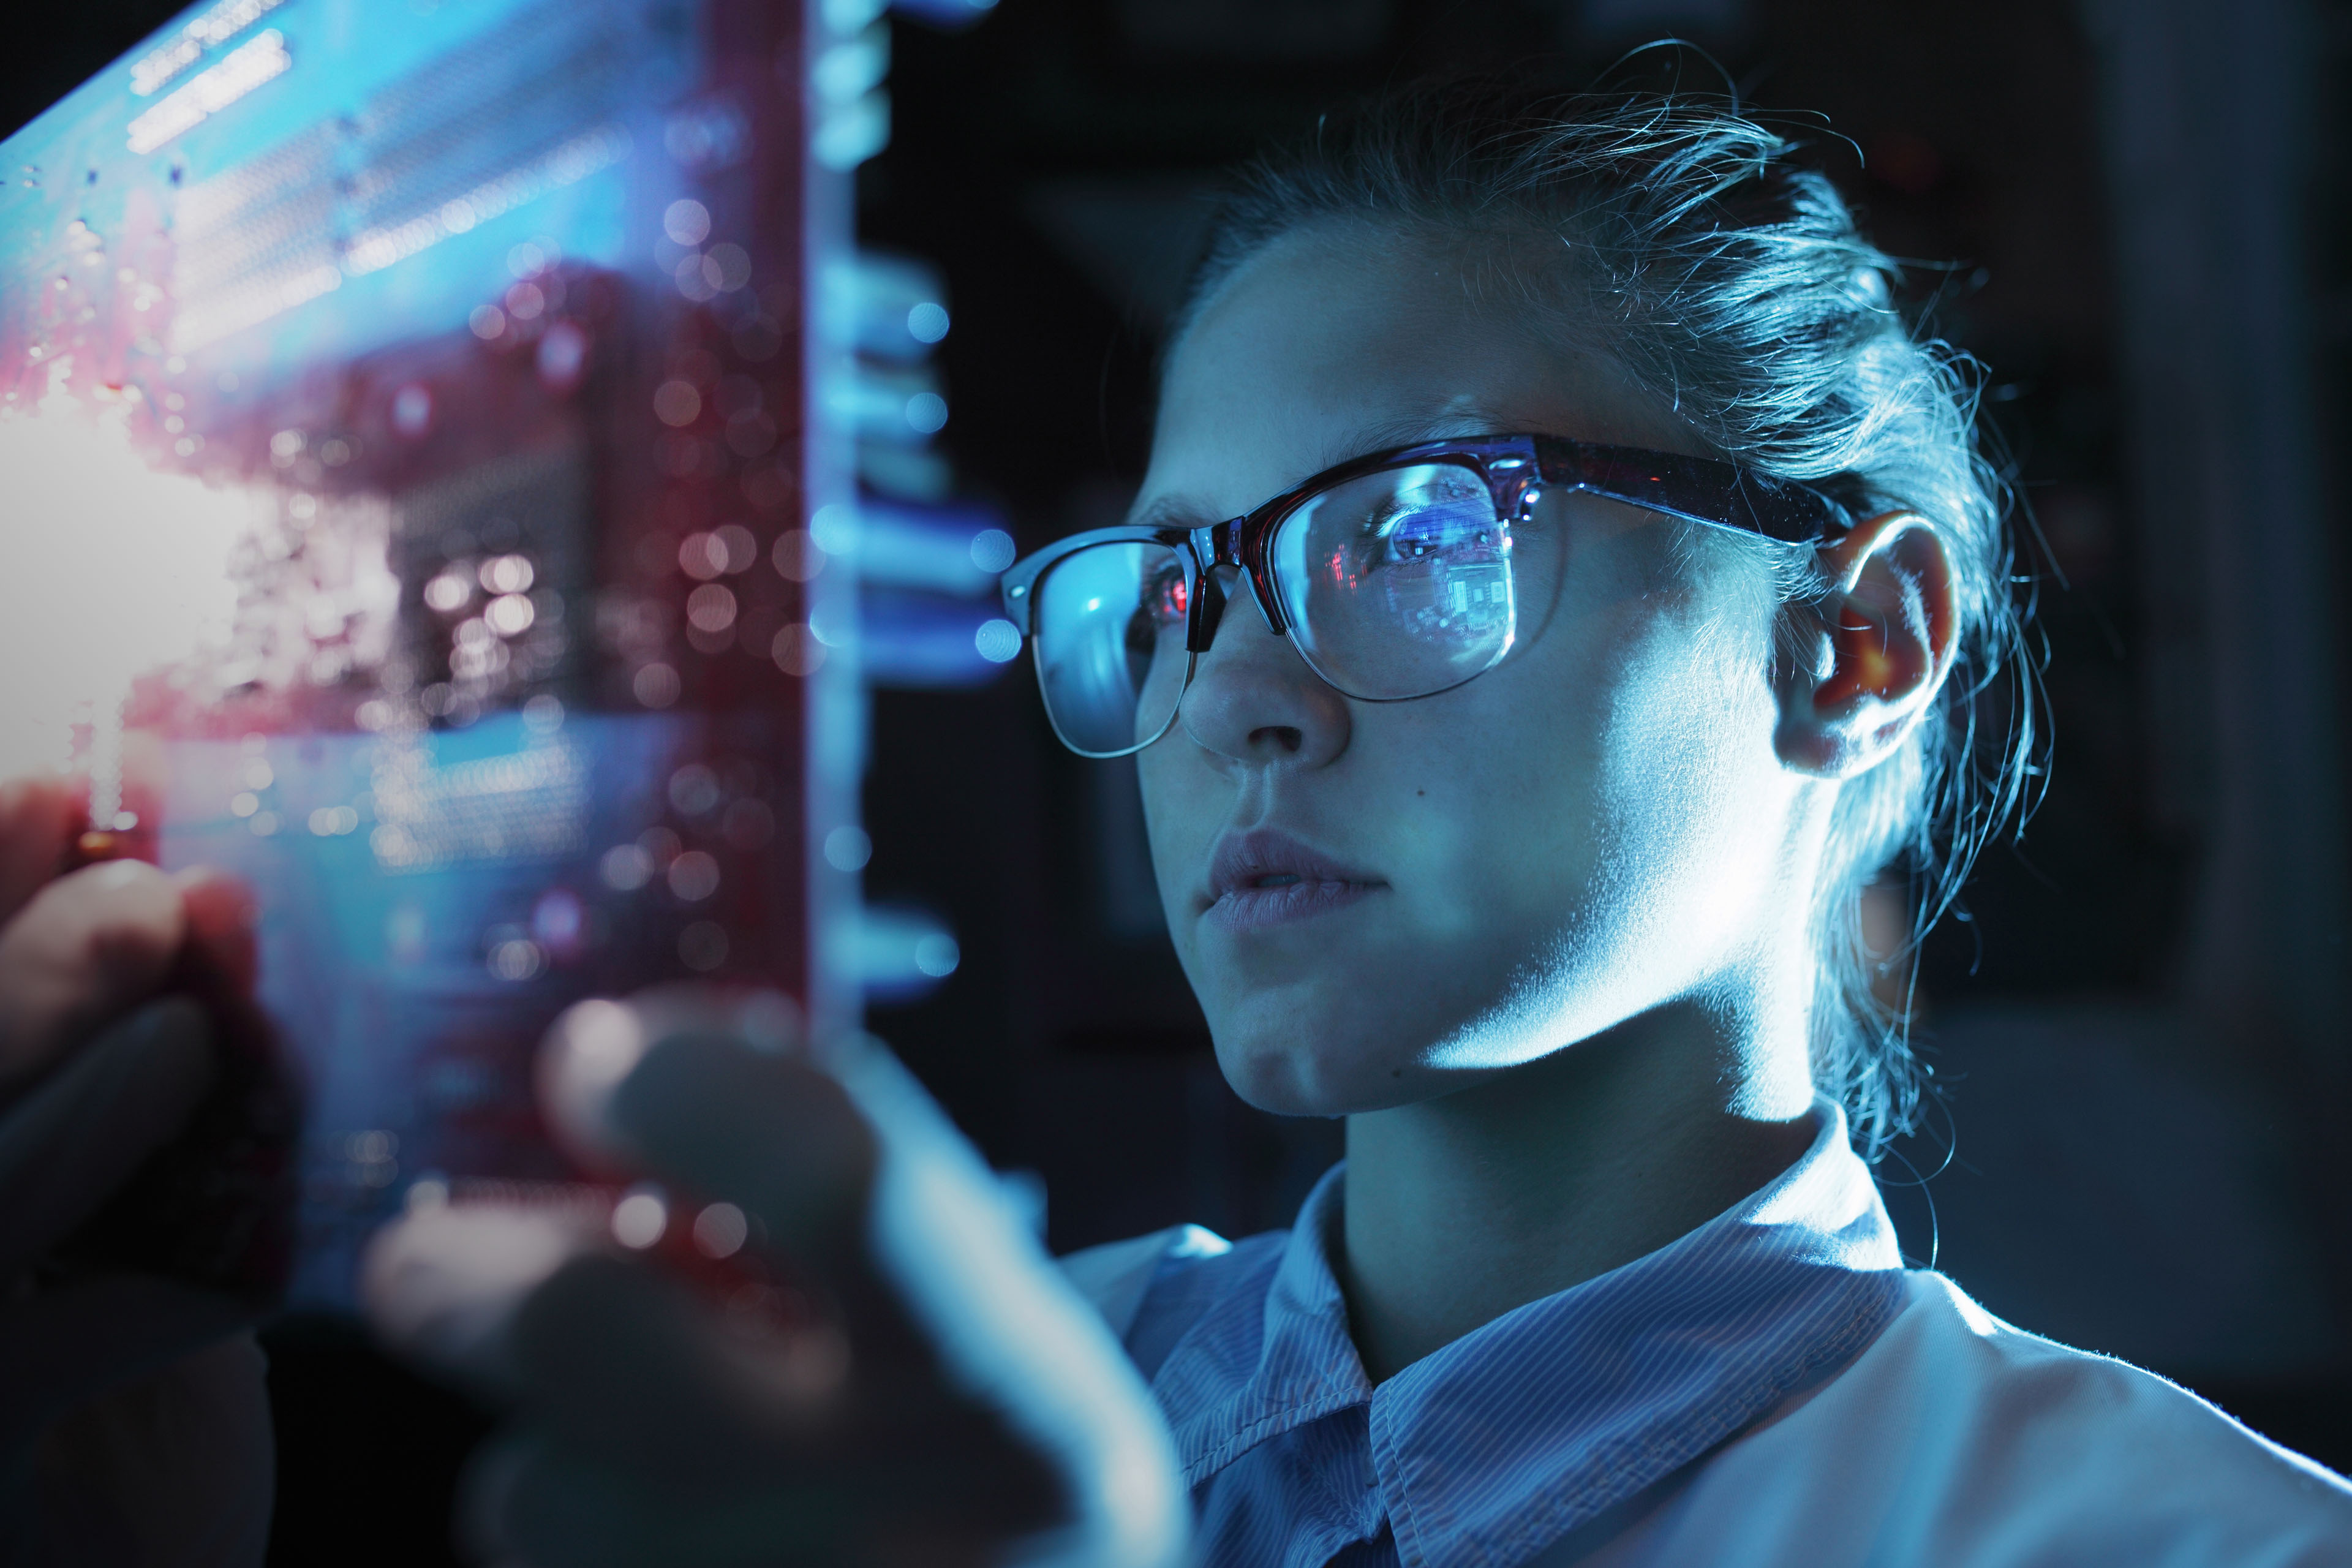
column 1267, row 877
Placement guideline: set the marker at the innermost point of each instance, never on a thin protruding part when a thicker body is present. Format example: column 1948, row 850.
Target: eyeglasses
column 1395, row 575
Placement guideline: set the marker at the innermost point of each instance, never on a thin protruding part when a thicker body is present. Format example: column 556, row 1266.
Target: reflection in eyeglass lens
column 1398, row 584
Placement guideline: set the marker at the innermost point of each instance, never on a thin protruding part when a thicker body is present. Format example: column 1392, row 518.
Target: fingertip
column 119, row 876
column 36, row 799
column 442, row 1285
column 85, row 948
column 220, row 914
column 711, row 1089
column 589, row 1050
column 778, row 1137
column 214, row 896
column 126, row 915
column 39, row 814
column 595, row 1047
column 144, row 917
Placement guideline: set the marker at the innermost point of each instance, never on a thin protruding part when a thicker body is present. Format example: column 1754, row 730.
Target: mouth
column 1267, row 877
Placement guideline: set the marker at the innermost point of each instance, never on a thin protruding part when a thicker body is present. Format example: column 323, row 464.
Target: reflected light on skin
column 589, row 1050
column 1595, row 831
column 108, row 570
column 441, row 1283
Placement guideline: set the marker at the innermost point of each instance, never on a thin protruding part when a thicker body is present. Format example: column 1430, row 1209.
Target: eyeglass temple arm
column 1700, row 489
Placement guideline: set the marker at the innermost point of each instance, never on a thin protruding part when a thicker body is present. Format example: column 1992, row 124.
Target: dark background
column 2132, row 210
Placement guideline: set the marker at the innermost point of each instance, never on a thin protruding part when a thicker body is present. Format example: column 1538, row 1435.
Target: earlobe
column 1882, row 645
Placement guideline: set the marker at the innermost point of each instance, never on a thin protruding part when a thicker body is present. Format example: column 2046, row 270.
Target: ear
column 1882, row 643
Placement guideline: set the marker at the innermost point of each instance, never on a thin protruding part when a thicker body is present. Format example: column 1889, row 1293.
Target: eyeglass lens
column 1109, row 643
column 1396, row 584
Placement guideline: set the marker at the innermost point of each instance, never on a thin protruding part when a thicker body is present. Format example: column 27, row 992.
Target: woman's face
column 1378, row 902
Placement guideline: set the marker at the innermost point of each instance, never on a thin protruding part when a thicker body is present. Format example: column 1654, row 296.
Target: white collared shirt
column 1773, row 1388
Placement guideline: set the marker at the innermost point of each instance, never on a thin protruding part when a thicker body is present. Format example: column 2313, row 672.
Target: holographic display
column 430, row 435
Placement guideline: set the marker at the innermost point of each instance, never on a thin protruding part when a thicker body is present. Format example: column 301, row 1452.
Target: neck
column 1541, row 1176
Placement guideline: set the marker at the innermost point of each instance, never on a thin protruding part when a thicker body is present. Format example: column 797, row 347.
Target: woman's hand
column 889, row 1369
column 134, row 1423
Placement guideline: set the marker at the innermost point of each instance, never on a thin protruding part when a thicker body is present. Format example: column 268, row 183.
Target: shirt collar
column 1496, row 1446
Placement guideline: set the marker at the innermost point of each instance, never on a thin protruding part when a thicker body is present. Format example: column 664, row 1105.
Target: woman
column 1634, row 573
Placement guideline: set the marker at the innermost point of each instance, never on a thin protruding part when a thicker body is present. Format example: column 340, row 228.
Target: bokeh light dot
column 926, row 412
column 848, row 849
column 997, row 641
column 928, row 322
column 720, row 1230
column 687, row 221
column 992, row 550
column 639, row 1218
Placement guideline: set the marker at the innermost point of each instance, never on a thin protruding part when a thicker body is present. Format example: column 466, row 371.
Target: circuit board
column 410, row 419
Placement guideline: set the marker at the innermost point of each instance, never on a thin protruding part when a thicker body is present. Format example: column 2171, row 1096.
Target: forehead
column 1332, row 343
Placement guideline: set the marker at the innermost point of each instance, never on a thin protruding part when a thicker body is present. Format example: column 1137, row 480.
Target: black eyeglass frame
column 1515, row 469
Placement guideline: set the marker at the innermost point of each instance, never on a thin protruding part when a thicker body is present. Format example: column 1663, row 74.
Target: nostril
column 1283, row 737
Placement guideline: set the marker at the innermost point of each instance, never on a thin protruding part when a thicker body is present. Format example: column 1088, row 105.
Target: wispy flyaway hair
column 1673, row 233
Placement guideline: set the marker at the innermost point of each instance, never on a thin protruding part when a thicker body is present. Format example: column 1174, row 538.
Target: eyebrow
column 1173, row 511
column 1460, row 421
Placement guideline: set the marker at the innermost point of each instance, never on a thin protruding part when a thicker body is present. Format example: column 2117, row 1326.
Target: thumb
column 82, row 1131
column 838, row 1151
column 1008, row 1325
column 690, row 1086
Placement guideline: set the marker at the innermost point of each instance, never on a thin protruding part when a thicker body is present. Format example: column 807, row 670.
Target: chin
column 1287, row 1072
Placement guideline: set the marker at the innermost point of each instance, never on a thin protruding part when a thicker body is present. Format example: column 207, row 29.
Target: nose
column 1254, row 700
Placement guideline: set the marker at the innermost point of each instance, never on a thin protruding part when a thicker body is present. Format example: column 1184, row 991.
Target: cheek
column 1182, row 811
column 1687, row 796
column 1501, row 826
column 1604, row 834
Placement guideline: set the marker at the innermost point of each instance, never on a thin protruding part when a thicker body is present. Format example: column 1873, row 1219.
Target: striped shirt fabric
column 1513, row 1437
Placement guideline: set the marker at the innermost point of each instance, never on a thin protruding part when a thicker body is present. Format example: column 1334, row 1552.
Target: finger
column 702, row 1108
column 778, row 1138
column 593, row 1046
column 79, row 1134
column 442, row 1286
column 532, row 1307
column 537, row 1498
column 85, row 948
column 70, row 1343
column 220, row 938
column 1006, row 1324
column 628, row 1365
column 533, row 1500
column 629, row 1370
column 38, row 817
column 658, row 1087
column 955, row 1491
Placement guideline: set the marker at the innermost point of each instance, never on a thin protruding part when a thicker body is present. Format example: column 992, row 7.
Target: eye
column 1417, row 532
column 1161, row 599
column 1165, row 598
column 1416, row 526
